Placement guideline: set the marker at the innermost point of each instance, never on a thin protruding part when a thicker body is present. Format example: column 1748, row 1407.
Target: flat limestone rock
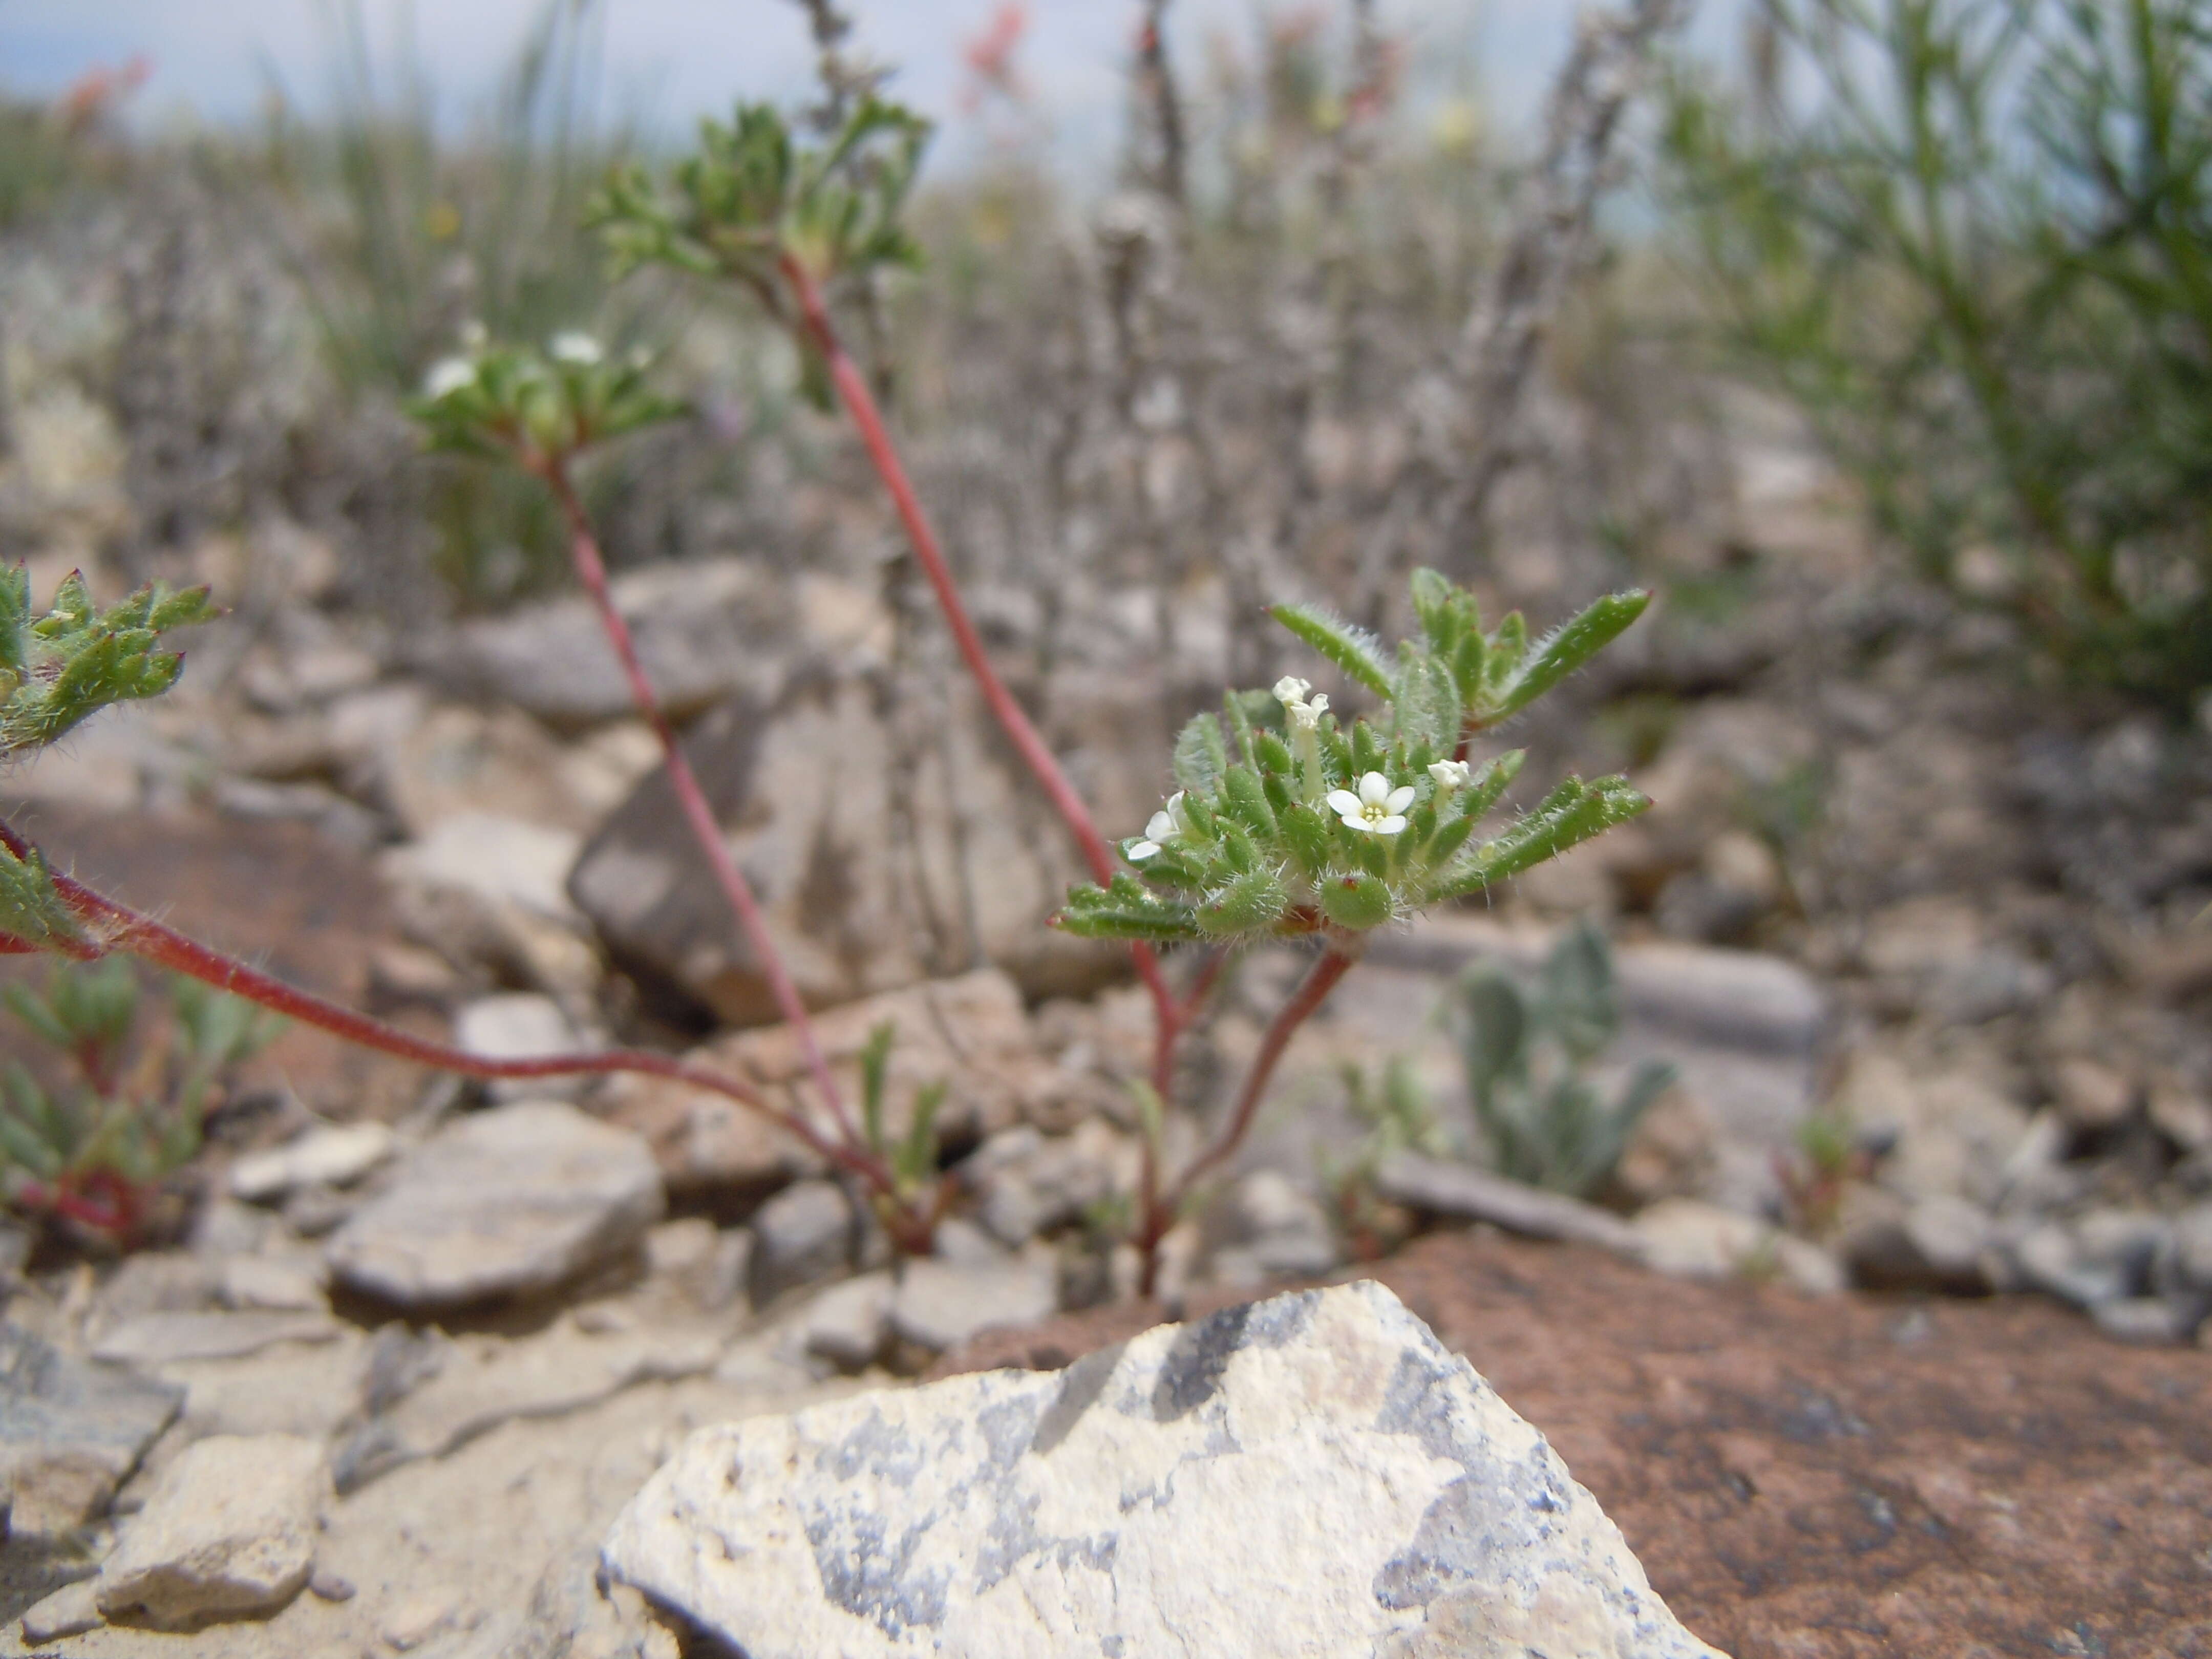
column 506, row 1202
column 1314, row 1475
column 228, row 1532
column 69, row 1432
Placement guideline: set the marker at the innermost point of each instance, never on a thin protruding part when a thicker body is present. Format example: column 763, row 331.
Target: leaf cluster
column 55, row 671
column 112, row 1122
column 1526, row 1047
column 1251, row 845
column 516, row 403
column 58, row 669
column 752, row 193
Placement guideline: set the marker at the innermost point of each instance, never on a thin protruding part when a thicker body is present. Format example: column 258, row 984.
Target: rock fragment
column 507, row 1202
column 69, row 1432
column 228, row 1532
column 1154, row 1501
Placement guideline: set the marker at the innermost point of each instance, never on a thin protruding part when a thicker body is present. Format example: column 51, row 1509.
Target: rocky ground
column 1927, row 945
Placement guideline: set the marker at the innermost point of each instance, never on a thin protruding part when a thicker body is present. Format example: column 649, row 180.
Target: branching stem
column 110, row 927
column 1321, row 979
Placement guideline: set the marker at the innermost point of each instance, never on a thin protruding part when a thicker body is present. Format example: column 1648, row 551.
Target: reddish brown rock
column 1848, row 1478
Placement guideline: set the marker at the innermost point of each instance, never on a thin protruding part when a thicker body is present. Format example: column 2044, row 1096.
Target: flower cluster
column 502, row 400
column 1288, row 821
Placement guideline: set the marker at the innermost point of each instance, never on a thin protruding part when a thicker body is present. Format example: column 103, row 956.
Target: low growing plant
column 1290, row 821
column 1528, row 1043
column 93, row 1149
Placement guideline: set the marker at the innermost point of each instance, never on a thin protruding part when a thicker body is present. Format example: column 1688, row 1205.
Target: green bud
column 1357, row 901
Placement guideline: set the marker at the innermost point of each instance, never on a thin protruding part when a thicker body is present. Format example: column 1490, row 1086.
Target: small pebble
column 329, row 1586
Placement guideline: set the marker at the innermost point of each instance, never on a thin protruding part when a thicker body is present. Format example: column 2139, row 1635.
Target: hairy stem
column 1321, row 979
column 110, row 927
column 591, row 570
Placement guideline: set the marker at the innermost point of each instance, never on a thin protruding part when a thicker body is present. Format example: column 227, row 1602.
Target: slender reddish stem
column 861, row 404
column 591, row 570
column 1321, row 979
column 111, row 927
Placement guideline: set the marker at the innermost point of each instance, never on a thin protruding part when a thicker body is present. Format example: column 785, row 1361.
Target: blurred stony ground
column 1888, row 881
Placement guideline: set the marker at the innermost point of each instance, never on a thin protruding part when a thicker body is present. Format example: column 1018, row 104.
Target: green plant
column 1526, row 1044
column 1398, row 1117
column 404, row 235
column 1288, row 821
column 92, row 1150
column 1972, row 239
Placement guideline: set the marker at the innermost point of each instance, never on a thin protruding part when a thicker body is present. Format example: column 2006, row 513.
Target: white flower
column 1290, row 690
column 447, row 375
column 1306, row 716
column 1164, row 826
column 1451, row 774
column 1377, row 810
column 576, row 347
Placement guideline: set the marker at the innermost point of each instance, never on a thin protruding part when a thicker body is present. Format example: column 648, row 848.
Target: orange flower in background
column 98, row 90
column 990, row 58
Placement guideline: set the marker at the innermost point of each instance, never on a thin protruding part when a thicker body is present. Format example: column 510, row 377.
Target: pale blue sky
column 677, row 58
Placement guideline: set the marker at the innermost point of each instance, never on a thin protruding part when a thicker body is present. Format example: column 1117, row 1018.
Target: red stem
column 111, row 927
column 1312, row 992
column 591, row 570
column 861, row 404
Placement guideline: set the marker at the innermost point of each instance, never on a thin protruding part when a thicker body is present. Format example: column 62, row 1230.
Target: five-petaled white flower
column 1165, row 825
column 447, row 375
column 1377, row 810
column 576, row 347
column 1451, row 774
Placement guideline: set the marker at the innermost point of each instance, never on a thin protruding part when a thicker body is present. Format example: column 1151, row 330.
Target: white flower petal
column 1374, row 789
column 1398, row 798
column 1290, row 689
column 1138, row 852
column 448, row 375
column 1345, row 804
column 1319, row 705
column 1389, row 826
column 1450, row 774
column 1160, row 827
column 575, row 347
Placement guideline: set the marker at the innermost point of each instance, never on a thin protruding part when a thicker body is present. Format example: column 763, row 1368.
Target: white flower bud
column 576, row 347
column 447, row 375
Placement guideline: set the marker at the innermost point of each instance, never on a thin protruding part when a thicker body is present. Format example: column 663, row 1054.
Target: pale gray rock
column 1266, row 1226
column 490, row 860
column 802, row 1236
column 505, row 1202
column 292, row 1283
column 70, row 1611
column 228, row 1532
column 1464, row 1193
column 939, row 1304
column 69, row 1431
column 472, row 1384
column 703, row 628
column 707, row 1265
column 803, row 783
column 520, row 1025
column 156, row 1340
column 1156, row 1500
column 847, row 1324
column 326, row 1155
